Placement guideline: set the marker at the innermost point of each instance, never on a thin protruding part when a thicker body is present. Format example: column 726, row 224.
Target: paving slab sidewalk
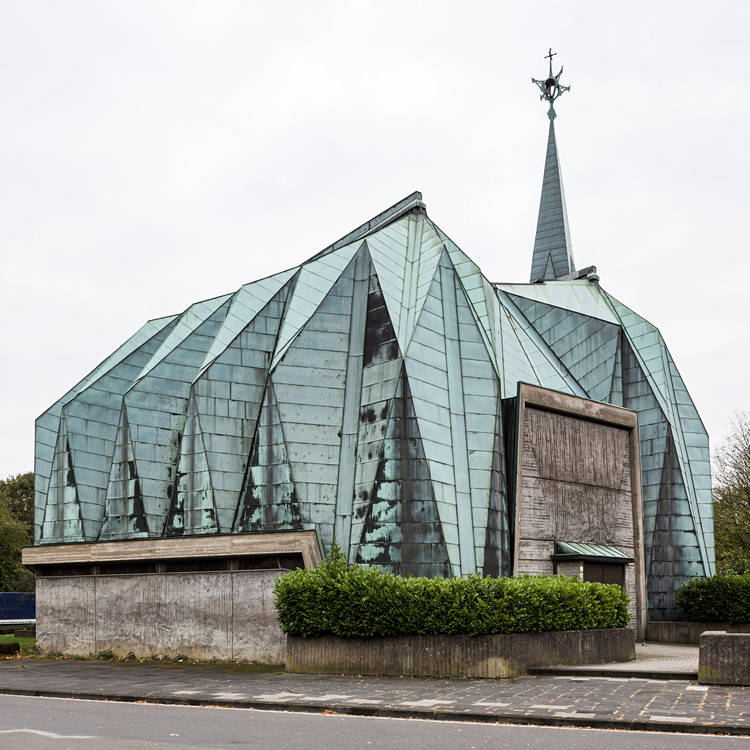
column 572, row 700
column 653, row 661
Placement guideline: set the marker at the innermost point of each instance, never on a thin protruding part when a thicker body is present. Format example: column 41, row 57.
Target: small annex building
column 384, row 393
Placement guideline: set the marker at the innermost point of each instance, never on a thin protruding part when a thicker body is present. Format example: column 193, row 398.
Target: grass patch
column 28, row 645
column 28, row 650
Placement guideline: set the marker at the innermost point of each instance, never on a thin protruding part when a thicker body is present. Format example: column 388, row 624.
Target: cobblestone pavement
column 616, row 702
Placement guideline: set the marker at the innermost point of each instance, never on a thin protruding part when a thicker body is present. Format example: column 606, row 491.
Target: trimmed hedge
column 356, row 602
column 721, row 598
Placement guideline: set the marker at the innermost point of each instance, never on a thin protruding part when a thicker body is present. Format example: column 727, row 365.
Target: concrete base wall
column 227, row 615
column 724, row 658
column 495, row 656
column 687, row 632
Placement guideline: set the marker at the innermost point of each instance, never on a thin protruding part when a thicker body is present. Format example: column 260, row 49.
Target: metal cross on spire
column 551, row 87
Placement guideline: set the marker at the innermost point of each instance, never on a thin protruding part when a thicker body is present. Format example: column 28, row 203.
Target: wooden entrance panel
column 598, row 572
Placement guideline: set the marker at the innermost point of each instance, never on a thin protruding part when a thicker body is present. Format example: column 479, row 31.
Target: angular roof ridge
column 388, row 216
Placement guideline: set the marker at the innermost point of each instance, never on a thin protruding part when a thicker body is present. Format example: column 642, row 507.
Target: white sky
column 153, row 154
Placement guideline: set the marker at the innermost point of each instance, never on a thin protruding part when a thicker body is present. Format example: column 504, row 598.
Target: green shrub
column 356, row 602
column 721, row 598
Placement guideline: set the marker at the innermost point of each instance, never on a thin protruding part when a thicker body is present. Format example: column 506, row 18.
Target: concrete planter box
column 724, row 658
column 688, row 632
column 507, row 655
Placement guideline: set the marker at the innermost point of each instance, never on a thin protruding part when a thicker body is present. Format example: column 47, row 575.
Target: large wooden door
column 604, row 572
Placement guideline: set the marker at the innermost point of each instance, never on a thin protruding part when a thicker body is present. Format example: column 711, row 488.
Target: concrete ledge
column 197, row 547
column 724, row 658
column 494, row 656
column 687, row 632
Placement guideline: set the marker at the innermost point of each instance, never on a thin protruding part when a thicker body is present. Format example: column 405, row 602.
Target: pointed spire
column 553, row 252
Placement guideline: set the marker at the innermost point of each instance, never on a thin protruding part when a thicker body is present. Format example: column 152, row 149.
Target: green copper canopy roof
column 580, row 551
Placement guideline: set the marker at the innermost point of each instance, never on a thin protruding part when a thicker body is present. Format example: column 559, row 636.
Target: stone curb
column 644, row 674
column 436, row 714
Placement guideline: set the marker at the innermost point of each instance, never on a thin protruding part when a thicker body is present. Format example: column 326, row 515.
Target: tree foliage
column 732, row 498
column 16, row 530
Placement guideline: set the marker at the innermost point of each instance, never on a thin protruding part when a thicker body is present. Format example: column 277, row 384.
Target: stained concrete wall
column 492, row 656
column 65, row 615
column 204, row 597
column 673, row 631
column 724, row 658
column 227, row 615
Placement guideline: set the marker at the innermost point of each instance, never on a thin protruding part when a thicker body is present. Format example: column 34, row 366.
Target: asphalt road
column 30, row 723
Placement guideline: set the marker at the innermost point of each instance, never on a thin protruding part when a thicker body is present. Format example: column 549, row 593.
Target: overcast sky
column 153, row 154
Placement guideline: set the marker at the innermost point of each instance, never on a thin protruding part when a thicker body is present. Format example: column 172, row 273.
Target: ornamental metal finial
column 551, row 87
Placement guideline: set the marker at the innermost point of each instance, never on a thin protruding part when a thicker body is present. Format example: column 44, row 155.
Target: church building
column 383, row 393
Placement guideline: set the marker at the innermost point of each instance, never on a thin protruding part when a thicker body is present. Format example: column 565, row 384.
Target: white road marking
column 51, row 735
column 702, row 688
column 185, row 692
column 492, row 705
column 427, row 703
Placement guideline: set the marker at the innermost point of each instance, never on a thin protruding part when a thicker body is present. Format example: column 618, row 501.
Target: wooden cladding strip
column 544, row 398
column 239, row 545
